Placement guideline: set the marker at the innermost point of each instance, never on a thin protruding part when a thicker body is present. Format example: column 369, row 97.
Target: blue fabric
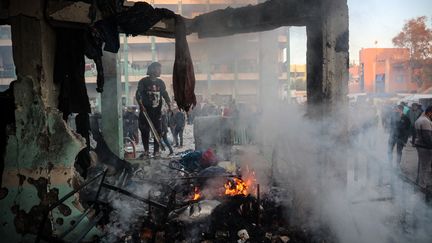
column 191, row 161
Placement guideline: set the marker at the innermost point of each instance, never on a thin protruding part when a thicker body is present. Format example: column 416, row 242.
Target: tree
column 417, row 37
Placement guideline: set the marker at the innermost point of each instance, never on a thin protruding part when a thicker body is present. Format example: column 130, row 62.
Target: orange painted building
column 385, row 70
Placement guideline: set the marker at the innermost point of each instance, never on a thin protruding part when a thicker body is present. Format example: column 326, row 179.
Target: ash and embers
column 216, row 204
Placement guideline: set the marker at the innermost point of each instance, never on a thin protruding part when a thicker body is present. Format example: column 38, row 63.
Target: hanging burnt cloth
column 183, row 73
column 69, row 72
column 134, row 21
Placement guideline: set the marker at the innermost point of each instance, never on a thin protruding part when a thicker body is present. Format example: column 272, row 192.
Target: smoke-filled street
column 210, row 121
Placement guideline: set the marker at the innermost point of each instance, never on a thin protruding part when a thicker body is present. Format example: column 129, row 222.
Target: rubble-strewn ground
column 188, row 142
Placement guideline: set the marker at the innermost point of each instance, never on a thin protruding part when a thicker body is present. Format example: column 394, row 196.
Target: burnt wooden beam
column 314, row 57
column 255, row 18
column 76, row 15
column 67, row 11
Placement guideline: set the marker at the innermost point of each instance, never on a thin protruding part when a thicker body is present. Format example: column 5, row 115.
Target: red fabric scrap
column 183, row 73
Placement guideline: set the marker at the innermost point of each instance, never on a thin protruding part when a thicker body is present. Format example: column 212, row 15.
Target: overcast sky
column 370, row 20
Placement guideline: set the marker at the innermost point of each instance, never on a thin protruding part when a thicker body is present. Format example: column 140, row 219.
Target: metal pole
column 126, row 68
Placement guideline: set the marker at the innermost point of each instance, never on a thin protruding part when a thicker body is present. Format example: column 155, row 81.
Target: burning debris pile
column 210, row 201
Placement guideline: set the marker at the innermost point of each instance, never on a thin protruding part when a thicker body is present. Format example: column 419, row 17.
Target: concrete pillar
column 268, row 67
column 314, row 57
column 126, row 69
column 327, row 84
column 327, row 56
column 336, row 52
column 112, row 117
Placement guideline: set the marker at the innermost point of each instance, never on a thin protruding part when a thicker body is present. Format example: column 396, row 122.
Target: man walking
column 179, row 121
column 399, row 131
column 164, row 135
column 130, row 124
column 149, row 96
column 413, row 114
column 423, row 143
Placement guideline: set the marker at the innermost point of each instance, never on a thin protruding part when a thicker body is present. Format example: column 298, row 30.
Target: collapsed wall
column 40, row 154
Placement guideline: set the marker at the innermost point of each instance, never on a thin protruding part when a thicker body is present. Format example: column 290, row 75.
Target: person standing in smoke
column 423, row 144
column 164, row 134
column 179, row 121
column 130, row 124
column 413, row 114
column 149, row 96
column 399, row 132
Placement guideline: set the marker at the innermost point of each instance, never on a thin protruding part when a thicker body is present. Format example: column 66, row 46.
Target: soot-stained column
column 328, row 58
column 327, row 82
column 41, row 151
column 112, row 125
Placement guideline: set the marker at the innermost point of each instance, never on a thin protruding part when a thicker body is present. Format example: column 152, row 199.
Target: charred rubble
column 190, row 198
column 163, row 201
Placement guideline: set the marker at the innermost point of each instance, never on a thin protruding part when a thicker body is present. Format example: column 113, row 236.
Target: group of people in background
column 411, row 124
column 171, row 121
column 207, row 109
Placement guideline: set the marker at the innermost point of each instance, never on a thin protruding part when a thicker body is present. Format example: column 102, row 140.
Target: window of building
column 400, row 79
column 380, row 83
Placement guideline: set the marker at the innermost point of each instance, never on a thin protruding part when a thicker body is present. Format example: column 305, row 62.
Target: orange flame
column 236, row 187
column 197, row 194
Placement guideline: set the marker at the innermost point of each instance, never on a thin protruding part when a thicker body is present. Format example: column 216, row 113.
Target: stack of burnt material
column 196, row 198
column 214, row 203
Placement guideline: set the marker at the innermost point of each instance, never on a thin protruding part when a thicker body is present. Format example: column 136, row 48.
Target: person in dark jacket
column 413, row 114
column 423, row 144
column 399, row 132
column 164, row 135
column 130, row 124
column 179, row 124
column 149, row 96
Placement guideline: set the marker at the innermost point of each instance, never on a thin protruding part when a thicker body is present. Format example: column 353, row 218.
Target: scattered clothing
column 198, row 160
column 69, row 67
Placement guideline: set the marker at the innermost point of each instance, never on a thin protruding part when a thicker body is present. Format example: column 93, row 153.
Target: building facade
column 7, row 67
column 385, row 70
column 225, row 68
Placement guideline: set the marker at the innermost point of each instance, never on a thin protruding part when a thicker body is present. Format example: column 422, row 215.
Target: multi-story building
column 225, row 68
column 7, row 67
column 385, row 70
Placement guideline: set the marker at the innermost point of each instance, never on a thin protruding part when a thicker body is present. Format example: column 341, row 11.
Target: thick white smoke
column 336, row 170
